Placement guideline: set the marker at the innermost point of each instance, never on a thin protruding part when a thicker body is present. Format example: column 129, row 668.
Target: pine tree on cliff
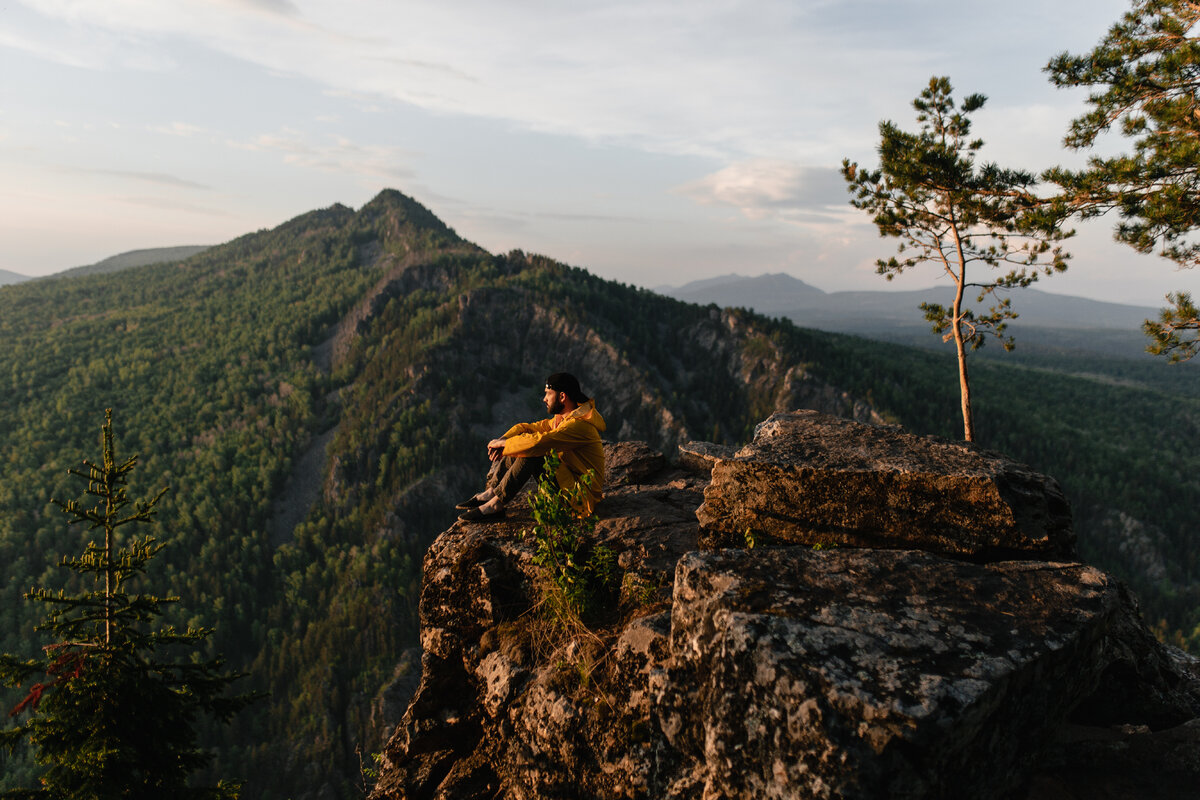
column 111, row 713
column 1148, row 67
column 929, row 193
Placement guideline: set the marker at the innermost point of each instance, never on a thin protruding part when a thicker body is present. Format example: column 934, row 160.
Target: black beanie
column 566, row 382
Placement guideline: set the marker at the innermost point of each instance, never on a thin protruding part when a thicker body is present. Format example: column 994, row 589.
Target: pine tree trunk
column 110, row 514
column 964, row 383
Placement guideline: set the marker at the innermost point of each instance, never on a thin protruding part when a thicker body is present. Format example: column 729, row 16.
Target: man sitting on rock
column 572, row 431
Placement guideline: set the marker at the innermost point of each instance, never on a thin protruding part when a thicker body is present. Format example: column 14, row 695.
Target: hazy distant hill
column 7, row 277
column 135, row 258
column 767, row 294
column 318, row 395
column 879, row 310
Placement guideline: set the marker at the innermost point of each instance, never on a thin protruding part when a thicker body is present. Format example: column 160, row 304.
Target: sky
column 654, row 142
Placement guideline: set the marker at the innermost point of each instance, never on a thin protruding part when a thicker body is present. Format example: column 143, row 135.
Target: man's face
column 553, row 401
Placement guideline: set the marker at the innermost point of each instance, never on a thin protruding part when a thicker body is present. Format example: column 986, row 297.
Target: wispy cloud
column 334, row 154
column 59, row 32
column 177, row 129
column 429, row 66
column 159, row 178
column 47, row 51
column 168, row 204
column 283, row 7
column 584, row 217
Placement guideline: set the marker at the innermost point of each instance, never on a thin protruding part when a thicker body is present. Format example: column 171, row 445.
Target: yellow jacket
column 576, row 439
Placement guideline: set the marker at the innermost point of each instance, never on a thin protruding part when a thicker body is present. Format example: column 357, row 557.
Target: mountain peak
column 404, row 212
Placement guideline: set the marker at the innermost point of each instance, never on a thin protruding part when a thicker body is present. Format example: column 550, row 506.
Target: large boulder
column 809, row 478
column 859, row 674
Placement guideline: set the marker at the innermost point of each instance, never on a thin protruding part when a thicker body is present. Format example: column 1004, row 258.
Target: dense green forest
column 383, row 335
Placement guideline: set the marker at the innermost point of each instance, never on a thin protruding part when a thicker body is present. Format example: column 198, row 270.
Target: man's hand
column 495, row 449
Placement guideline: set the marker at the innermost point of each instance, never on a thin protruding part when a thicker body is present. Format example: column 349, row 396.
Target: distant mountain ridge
column 131, row 258
column 1047, row 326
column 7, row 277
column 134, row 258
column 778, row 293
column 769, row 293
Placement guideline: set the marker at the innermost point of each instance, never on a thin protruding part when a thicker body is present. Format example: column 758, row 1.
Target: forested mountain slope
column 317, row 396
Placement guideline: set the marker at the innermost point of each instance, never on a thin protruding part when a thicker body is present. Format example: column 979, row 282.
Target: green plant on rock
column 751, row 538
column 110, row 714
column 637, row 590
column 579, row 577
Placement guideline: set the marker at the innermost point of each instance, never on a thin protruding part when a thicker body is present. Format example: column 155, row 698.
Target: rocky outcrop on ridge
column 810, row 478
column 919, row 670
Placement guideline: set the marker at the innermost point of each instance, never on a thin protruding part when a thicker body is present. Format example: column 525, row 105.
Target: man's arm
column 541, row 426
column 495, row 447
column 567, row 436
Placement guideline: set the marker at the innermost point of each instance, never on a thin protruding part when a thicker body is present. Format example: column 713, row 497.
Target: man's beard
column 557, row 407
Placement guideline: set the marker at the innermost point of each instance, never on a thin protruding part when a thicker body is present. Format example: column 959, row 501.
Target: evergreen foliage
column 1146, row 72
column 1175, row 332
column 929, row 193
column 116, row 714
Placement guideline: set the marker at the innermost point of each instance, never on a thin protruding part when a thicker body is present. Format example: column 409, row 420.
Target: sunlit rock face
column 942, row 663
column 811, row 478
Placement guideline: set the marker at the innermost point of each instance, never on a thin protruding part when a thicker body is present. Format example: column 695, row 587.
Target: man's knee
column 515, row 474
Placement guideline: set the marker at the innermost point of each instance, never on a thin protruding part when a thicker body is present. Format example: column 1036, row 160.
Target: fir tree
column 1147, row 71
column 112, row 713
column 929, row 193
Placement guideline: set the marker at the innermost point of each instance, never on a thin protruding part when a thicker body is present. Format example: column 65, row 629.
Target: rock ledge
column 789, row 671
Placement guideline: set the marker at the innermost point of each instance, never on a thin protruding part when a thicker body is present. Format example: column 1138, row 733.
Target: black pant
column 510, row 473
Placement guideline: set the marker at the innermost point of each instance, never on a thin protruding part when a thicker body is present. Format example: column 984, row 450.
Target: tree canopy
column 1145, row 71
column 948, row 211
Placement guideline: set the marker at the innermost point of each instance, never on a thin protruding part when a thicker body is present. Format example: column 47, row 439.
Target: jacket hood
column 587, row 412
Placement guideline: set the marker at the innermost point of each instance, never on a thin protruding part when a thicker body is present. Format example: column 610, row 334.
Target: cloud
column 334, row 154
column 47, row 51
column 561, row 216
column 441, row 69
column 56, row 32
column 159, row 178
column 166, row 204
column 283, row 7
column 177, row 129
column 770, row 188
column 731, row 79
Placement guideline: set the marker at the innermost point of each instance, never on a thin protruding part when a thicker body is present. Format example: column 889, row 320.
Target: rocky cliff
column 909, row 623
